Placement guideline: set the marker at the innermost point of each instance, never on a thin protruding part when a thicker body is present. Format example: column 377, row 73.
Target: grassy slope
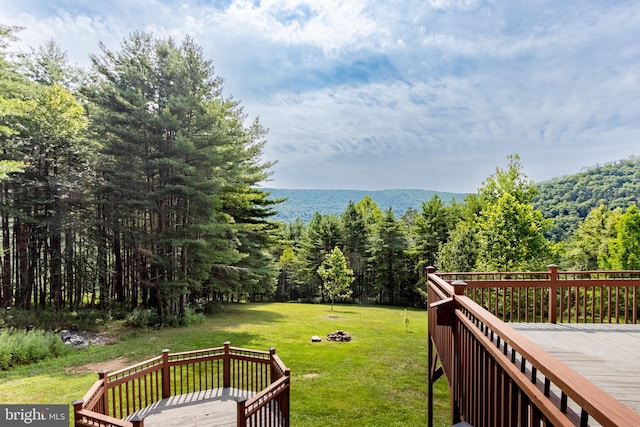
column 378, row 379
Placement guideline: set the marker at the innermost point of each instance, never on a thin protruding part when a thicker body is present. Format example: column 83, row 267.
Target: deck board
column 211, row 408
column 608, row 355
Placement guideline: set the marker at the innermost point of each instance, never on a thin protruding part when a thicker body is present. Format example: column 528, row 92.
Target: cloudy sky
column 367, row 94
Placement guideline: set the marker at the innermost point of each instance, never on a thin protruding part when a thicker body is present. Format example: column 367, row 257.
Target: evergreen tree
column 177, row 190
column 354, row 238
column 460, row 252
column 323, row 234
column 387, row 248
column 431, row 230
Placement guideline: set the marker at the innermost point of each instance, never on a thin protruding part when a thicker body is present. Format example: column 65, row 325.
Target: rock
column 83, row 339
column 316, row 338
column 73, row 339
column 339, row 336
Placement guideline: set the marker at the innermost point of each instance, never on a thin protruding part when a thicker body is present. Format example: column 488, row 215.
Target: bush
column 140, row 318
column 213, row 307
column 189, row 318
column 84, row 319
column 24, row 348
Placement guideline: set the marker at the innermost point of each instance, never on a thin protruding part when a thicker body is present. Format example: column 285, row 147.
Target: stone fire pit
column 339, row 336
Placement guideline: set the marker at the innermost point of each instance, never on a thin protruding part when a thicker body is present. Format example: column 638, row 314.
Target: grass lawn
column 378, row 379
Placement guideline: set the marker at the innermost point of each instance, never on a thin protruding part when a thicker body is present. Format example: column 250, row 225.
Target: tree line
column 497, row 229
column 132, row 184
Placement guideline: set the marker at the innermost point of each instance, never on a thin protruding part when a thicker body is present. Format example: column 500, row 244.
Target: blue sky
column 364, row 94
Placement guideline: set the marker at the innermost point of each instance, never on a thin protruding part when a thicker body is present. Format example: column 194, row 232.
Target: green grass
column 378, row 379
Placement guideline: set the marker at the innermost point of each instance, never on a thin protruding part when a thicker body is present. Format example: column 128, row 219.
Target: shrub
column 143, row 318
column 189, row 318
column 23, row 348
column 213, row 307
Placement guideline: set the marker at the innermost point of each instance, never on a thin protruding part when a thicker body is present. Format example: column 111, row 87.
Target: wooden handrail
column 479, row 352
column 551, row 296
column 118, row 395
column 597, row 403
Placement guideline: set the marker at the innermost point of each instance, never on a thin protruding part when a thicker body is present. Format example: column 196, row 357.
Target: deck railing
column 555, row 296
column 496, row 376
column 116, row 397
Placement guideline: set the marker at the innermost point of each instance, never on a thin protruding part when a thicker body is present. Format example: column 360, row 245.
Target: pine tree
column 387, row 248
column 177, row 191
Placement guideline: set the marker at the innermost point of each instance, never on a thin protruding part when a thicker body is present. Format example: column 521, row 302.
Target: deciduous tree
column 336, row 276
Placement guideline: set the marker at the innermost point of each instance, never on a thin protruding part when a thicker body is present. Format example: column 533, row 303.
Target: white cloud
column 363, row 93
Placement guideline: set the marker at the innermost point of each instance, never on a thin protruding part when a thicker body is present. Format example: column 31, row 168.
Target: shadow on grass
column 247, row 313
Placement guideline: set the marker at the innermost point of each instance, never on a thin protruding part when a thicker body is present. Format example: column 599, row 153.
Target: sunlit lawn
column 378, row 379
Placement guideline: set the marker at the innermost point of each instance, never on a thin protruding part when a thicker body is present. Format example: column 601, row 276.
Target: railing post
column 430, row 270
column 272, row 352
column 77, row 406
column 553, row 293
column 104, row 399
column 166, row 375
column 430, row 380
column 137, row 421
column 240, row 407
column 287, row 396
column 226, row 366
column 458, row 290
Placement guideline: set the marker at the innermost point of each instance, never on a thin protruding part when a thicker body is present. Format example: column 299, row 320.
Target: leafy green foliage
column 336, row 276
column 18, row 347
column 460, row 252
column 568, row 200
column 588, row 246
column 625, row 246
column 10, row 166
column 511, row 236
column 508, row 181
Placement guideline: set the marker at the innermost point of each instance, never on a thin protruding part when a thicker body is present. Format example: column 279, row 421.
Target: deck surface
column 608, row 355
column 211, row 408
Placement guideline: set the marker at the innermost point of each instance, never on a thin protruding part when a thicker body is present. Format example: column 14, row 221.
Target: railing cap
column 431, row 269
column 459, row 286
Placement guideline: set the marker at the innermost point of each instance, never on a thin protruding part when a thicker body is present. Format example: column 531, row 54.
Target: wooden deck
column 211, row 408
column 608, row 355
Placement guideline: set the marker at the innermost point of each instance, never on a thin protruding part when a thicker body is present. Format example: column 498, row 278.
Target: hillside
column 304, row 204
column 567, row 199
column 570, row 198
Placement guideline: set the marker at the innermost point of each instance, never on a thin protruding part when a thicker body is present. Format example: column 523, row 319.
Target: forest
column 135, row 186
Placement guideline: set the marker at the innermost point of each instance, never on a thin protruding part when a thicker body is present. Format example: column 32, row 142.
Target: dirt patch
column 335, row 317
column 311, row 375
column 109, row 365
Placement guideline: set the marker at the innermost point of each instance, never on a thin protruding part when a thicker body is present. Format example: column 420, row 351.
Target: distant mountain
column 569, row 199
column 304, row 204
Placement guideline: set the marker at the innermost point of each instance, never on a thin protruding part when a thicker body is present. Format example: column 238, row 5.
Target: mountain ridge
column 304, row 203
